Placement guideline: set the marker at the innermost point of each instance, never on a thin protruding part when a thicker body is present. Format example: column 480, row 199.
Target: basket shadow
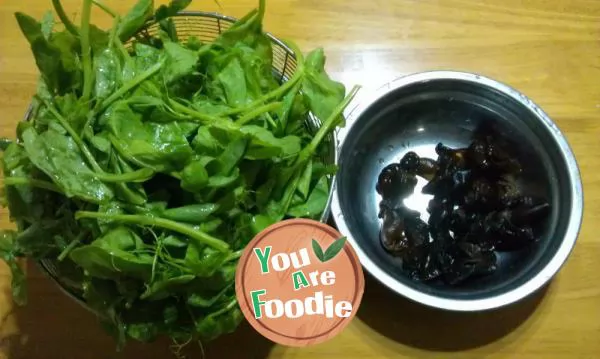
column 422, row 327
column 52, row 325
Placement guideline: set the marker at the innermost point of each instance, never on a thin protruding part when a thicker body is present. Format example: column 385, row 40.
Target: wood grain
column 548, row 49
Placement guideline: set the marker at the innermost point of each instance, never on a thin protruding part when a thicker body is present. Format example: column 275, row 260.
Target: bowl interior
column 416, row 118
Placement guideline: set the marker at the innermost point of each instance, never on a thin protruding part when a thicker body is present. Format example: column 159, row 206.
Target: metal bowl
column 416, row 112
column 206, row 26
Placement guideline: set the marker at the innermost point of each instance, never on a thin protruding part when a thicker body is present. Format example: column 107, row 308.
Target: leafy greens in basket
column 149, row 162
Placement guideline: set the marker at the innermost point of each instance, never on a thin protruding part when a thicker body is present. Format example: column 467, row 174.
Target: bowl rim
column 366, row 100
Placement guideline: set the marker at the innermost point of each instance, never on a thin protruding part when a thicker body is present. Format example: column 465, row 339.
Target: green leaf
column 101, row 143
column 220, row 181
column 232, row 78
column 194, row 177
column 193, row 213
column 25, row 203
column 8, row 248
column 286, row 111
column 112, row 207
column 47, row 24
column 121, row 238
column 165, row 287
column 76, row 113
column 106, row 73
column 128, row 192
column 210, row 226
column 99, row 39
column 315, row 204
column 18, row 282
column 260, row 222
column 156, row 145
column 180, row 61
column 220, row 322
column 165, row 11
column 30, row 27
column 170, row 29
column 247, row 31
column 318, row 250
column 145, row 57
column 204, row 262
column 135, row 19
column 111, row 263
column 304, row 183
column 59, row 157
column 334, row 249
column 55, row 57
column 4, row 143
column 321, row 94
column 144, row 332
column 231, row 156
column 263, row 145
column 201, row 301
column 206, row 143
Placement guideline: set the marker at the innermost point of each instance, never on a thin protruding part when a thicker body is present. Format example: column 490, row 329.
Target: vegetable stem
column 271, row 121
column 207, row 119
column 297, row 52
column 235, row 255
column 116, row 41
column 71, row 246
column 141, row 175
column 176, row 106
column 65, row 124
column 127, row 193
column 156, row 255
column 123, row 51
column 113, row 32
column 15, row 181
column 128, row 86
column 225, row 309
column 309, row 150
column 327, row 126
column 262, row 5
column 60, row 11
column 123, row 153
column 269, row 96
column 249, row 116
column 199, row 236
column 105, row 8
column 289, row 193
column 86, row 50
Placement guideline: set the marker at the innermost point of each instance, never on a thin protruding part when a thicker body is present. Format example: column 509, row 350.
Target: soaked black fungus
column 477, row 210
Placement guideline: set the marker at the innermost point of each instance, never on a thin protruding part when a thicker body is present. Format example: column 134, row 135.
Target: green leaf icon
column 331, row 252
column 318, row 250
column 335, row 248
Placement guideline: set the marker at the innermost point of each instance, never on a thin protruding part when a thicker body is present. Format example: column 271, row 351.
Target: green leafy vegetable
column 54, row 55
column 133, row 21
column 58, row 156
column 150, row 161
column 175, row 6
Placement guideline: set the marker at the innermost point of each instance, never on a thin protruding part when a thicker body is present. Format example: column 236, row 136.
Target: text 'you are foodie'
column 299, row 282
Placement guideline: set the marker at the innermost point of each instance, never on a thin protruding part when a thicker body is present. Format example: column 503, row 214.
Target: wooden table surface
column 548, row 49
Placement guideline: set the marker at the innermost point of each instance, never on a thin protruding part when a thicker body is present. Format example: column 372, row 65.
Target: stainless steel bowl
column 416, row 112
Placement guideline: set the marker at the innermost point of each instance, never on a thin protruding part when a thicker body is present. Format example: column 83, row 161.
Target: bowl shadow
column 423, row 327
column 52, row 325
